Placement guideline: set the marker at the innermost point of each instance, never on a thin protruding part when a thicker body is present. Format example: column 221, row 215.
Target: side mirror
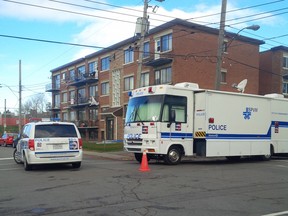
column 172, row 118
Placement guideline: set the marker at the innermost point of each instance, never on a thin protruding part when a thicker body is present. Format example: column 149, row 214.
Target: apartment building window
column 146, row 50
column 93, row 91
column 81, row 71
column 128, row 83
column 223, row 75
column 64, row 97
column 72, row 116
column 105, row 63
column 285, row 61
column 63, row 76
column 145, row 79
column 93, row 114
column 65, row 116
column 81, row 95
column 72, row 74
column 166, row 42
column 285, row 86
column 57, row 100
column 91, row 67
column 57, row 81
column 105, row 88
column 81, row 115
column 163, row 76
column 128, row 55
column 72, row 97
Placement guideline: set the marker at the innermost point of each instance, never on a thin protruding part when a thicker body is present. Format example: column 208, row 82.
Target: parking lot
column 113, row 185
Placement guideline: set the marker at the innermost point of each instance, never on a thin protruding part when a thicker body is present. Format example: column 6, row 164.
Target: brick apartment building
column 93, row 91
column 274, row 71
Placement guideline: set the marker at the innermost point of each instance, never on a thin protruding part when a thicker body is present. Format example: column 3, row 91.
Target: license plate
column 57, row 147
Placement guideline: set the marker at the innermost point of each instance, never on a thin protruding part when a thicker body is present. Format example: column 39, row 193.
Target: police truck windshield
column 143, row 109
column 156, row 108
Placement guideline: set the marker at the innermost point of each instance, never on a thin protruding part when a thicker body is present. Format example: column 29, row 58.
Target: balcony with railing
column 79, row 102
column 160, row 60
column 83, row 79
column 52, row 87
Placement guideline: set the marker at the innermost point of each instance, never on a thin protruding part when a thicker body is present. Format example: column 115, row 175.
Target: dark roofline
column 160, row 28
column 281, row 48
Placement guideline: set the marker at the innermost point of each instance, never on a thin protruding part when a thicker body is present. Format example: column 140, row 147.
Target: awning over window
column 158, row 62
column 114, row 111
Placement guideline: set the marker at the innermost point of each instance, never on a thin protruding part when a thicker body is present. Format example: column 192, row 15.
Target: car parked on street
column 49, row 143
column 8, row 139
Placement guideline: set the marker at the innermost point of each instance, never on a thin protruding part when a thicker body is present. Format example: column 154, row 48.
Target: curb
column 111, row 155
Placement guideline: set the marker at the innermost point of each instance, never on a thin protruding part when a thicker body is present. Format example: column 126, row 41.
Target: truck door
column 177, row 130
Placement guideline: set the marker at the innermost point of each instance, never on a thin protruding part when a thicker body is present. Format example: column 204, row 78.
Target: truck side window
column 180, row 113
column 177, row 103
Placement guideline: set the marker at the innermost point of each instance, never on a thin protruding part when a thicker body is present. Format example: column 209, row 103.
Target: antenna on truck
column 241, row 86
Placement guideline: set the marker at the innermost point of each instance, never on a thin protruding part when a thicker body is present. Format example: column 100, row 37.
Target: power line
column 239, row 9
column 50, row 41
column 264, row 17
column 93, row 8
column 155, row 14
column 67, row 11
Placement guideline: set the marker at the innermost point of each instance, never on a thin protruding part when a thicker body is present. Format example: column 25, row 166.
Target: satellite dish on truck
column 241, row 86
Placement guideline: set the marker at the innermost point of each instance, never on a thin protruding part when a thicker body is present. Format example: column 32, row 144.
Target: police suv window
column 177, row 103
column 54, row 130
column 26, row 131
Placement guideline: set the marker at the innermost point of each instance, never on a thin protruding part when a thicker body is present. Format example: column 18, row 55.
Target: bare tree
column 37, row 103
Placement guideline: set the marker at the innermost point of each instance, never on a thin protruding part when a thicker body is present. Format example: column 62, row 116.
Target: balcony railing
column 82, row 79
column 52, row 87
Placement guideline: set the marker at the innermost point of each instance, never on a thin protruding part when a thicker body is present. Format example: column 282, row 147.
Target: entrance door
column 110, row 128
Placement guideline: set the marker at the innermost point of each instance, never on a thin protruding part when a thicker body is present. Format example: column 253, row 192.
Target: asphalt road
column 111, row 184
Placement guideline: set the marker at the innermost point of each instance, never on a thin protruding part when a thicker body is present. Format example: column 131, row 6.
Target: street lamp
column 252, row 27
column 220, row 51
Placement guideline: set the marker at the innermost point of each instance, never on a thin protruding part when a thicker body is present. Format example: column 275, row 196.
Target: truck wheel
column 27, row 166
column 138, row 157
column 17, row 157
column 268, row 156
column 76, row 165
column 173, row 156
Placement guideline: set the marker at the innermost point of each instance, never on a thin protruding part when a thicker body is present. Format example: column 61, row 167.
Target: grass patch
column 100, row 147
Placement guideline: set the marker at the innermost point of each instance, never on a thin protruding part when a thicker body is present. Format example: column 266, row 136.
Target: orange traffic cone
column 144, row 163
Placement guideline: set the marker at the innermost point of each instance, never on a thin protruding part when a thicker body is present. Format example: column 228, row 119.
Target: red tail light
column 80, row 143
column 31, row 144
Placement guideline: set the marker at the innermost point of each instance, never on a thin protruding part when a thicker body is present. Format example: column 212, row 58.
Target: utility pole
column 5, row 116
column 144, row 23
column 20, row 99
column 220, row 45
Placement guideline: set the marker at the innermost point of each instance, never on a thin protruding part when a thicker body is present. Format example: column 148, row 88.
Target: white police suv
column 49, row 142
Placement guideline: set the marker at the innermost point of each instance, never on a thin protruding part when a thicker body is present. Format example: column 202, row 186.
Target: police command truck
column 172, row 121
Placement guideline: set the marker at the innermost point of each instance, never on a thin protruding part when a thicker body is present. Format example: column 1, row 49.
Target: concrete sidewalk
column 119, row 155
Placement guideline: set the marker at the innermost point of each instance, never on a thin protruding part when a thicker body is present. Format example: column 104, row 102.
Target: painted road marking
column 282, row 166
column 277, row 213
column 6, row 158
column 10, row 169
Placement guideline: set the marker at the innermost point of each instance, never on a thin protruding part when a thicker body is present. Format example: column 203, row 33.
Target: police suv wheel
column 27, row 166
column 16, row 156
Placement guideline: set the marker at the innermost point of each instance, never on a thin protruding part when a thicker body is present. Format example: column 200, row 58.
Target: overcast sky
column 103, row 23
